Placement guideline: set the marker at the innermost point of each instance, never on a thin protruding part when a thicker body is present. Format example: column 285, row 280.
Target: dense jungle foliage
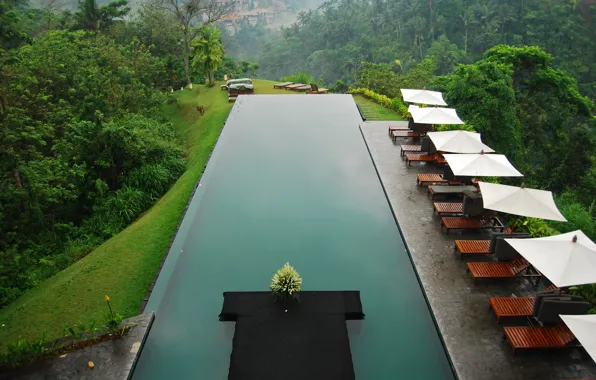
column 332, row 41
column 84, row 147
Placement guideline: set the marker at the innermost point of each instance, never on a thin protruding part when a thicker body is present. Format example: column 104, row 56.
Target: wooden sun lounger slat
column 533, row 337
column 292, row 86
column 320, row 91
column 515, row 306
column 470, row 223
column 472, row 247
column 448, row 208
column 511, row 306
column 282, row 85
column 499, row 270
column 306, row 87
column 410, row 148
column 425, row 179
column 404, row 133
column 450, row 190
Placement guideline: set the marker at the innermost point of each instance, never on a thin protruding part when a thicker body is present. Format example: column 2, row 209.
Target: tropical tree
column 195, row 13
column 208, row 52
column 90, row 16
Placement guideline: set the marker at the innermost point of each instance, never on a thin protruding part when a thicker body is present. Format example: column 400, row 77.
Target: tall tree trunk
column 186, row 56
column 17, row 178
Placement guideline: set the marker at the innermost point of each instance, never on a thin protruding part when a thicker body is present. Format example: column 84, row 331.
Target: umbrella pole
column 513, row 223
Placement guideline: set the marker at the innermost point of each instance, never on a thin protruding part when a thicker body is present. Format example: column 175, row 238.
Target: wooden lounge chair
column 428, row 178
column 417, row 157
column 515, row 306
column 511, row 306
column 450, row 190
column 471, row 223
column 314, row 89
column 292, row 86
column 535, row 337
column 448, row 208
column 303, row 88
column 403, row 133
column 393, row 127
column 282, row 85
column 472, row 247
column 410, row 149
column 477, row 247
column 503, row 269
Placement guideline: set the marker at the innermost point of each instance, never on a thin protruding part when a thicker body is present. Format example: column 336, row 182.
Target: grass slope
column 374, row 111
column 124, row 266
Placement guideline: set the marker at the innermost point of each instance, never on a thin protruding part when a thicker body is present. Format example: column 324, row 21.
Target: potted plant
column 286, row 284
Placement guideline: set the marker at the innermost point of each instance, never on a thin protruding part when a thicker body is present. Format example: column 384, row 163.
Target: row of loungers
column 519, row 337
column 301, row 87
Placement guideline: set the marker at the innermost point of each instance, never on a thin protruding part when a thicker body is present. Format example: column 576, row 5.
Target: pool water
column 290, row 179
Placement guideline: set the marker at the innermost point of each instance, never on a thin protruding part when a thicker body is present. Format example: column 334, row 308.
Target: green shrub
column 298, row 77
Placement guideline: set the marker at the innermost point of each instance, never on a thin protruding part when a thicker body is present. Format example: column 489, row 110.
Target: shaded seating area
column 469, row 175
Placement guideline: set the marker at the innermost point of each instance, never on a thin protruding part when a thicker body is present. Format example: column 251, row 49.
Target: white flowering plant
column 286, row 282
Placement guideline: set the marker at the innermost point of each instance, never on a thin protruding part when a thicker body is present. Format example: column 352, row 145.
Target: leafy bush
column 535, row 227
column 339, row 88
column 299, row 77
column 588, row 293
column 286, row 282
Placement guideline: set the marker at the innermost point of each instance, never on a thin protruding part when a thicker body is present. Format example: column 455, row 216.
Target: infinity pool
column 290, row 179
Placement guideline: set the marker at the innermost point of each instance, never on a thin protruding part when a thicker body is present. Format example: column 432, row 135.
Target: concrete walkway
column 113, row 359
column 471, row 334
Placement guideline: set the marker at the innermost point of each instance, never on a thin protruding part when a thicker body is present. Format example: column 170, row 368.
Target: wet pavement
column 471, row 335
column 113, row 359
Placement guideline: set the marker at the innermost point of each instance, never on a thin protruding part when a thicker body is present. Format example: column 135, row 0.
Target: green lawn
column 374, row 111
column 124, row 266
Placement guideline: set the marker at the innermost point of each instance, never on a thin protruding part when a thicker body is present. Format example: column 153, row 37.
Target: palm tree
column 208, row 51
column 89, row 15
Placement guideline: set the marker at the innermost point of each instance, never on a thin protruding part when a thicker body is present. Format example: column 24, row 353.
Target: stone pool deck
column 113, row 359
column 473, row 338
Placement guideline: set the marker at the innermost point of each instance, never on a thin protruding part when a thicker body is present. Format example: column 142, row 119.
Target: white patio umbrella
column 435, row 115
column 423, row 97
column 583, row 328
column 566, row 260
column 412, row 107
column 480, row 165
column 520, row 201
column 458, row 142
